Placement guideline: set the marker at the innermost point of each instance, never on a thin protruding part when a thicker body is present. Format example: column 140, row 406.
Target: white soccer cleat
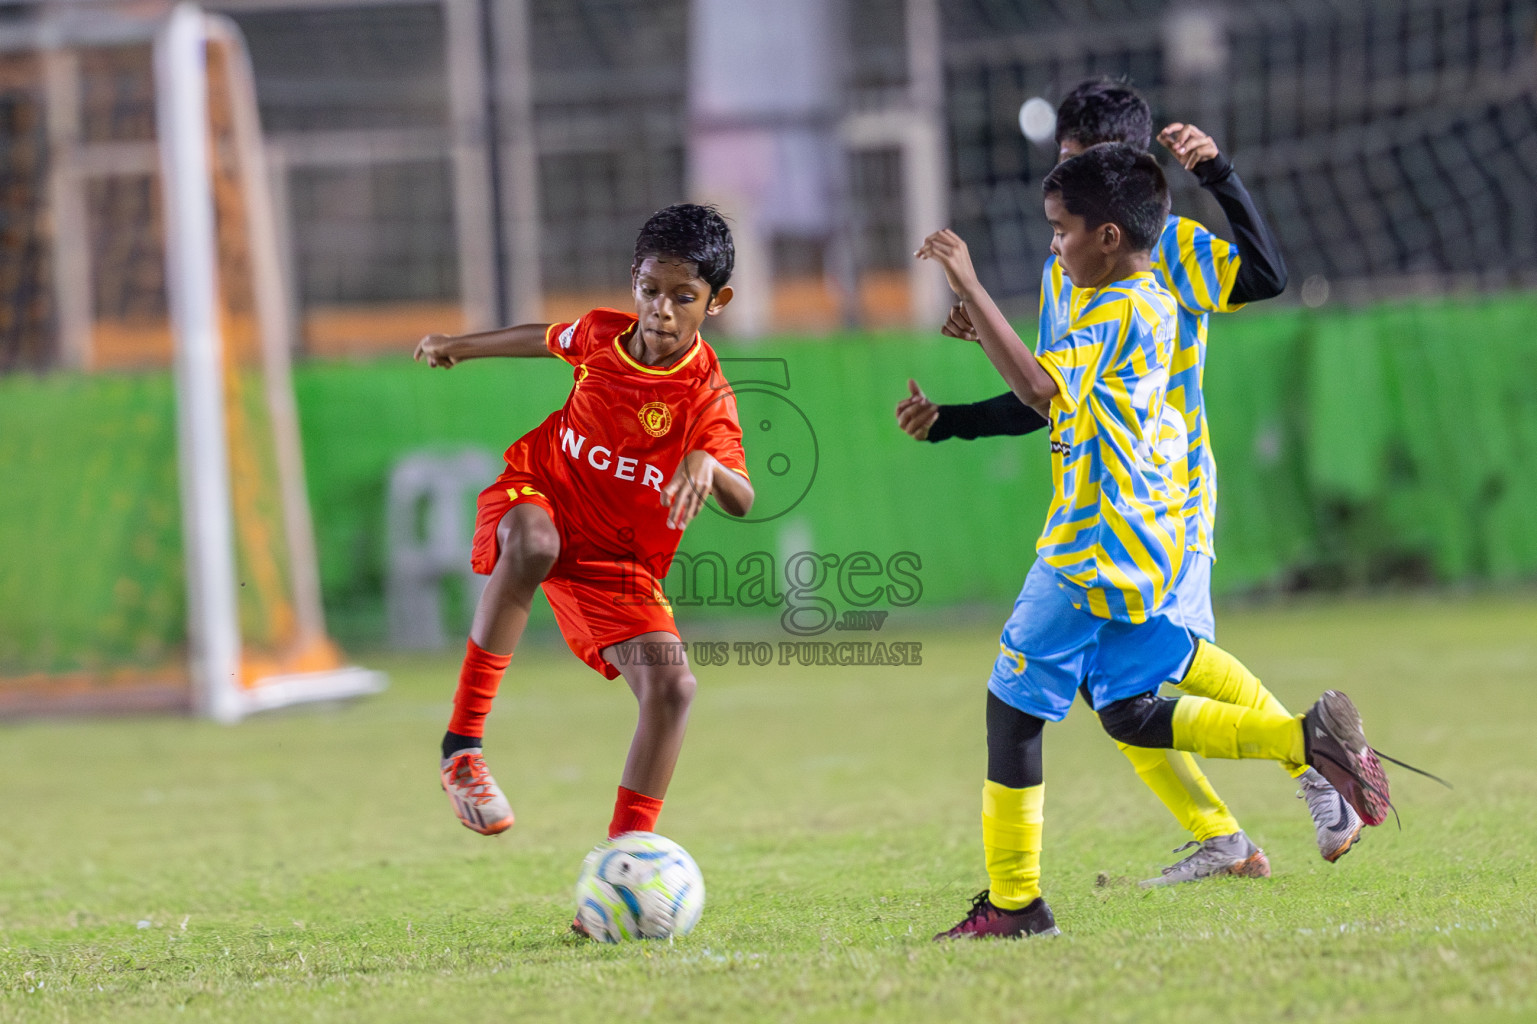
column 1233, row 854
column 476, row 797
column 1338, row 826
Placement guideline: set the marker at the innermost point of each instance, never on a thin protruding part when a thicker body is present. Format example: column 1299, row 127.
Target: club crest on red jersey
column 656, row 418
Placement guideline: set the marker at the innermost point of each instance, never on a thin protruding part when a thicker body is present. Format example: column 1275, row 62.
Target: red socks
column 634, row 812
column 479, row 677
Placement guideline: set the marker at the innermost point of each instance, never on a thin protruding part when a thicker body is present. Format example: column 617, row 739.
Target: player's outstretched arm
column 1004, row 415
column 1001, row 416
column 697, row 477
column 1261, row 268
column 1009, row 355
column 523, row 341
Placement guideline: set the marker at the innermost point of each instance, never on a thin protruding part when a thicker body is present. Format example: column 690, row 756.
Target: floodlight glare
column 1038, row 120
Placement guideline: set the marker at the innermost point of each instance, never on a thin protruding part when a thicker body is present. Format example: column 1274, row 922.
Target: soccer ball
column 638, row 885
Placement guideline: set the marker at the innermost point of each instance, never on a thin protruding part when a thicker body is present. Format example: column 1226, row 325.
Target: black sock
column 453, row 743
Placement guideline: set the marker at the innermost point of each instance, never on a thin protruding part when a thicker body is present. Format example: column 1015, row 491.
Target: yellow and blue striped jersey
column 1198, row 269
column 1116, row 527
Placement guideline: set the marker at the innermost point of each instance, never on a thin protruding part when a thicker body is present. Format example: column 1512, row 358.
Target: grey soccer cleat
column 1232, row 854
column 1337, row 824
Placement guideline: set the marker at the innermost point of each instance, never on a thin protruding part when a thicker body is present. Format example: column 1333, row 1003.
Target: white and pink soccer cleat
column 476, row 797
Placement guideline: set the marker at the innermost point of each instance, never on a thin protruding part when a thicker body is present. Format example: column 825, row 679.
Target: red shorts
column 597, row 603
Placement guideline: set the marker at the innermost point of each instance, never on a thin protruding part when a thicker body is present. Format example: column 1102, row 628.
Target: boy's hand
column 915, row 413
column 434, row 349
column 1188, row 143
column 691, row 484
column 958, row 324
column 946, row 248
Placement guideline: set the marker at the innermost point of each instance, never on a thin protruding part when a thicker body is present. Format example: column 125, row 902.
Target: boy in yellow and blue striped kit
column 1205, row 274
column 1098, row 609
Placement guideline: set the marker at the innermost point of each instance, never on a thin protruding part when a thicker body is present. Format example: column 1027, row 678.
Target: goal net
column 158, row 545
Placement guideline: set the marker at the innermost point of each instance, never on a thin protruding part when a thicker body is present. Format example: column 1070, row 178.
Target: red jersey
column 621, row 434
column 597, row 467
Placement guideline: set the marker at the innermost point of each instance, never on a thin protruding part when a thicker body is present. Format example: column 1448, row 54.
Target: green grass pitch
column 305, row 866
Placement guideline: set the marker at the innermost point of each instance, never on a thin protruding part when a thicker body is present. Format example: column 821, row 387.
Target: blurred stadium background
column 455, row 164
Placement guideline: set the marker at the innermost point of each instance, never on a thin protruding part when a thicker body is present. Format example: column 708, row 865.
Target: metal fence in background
column 440, row 164
column 355, row 104
column 1392, row 143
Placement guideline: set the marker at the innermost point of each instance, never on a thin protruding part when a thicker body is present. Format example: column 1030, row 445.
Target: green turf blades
column 319, row 875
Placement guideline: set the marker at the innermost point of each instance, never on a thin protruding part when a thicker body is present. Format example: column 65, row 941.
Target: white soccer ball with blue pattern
column 639, row 885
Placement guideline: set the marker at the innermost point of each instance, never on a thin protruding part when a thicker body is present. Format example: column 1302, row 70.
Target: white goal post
column 160, row 554
column 221, row 689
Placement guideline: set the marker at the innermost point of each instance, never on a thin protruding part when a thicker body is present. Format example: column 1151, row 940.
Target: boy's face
column 1087, row 254
column 671, row 301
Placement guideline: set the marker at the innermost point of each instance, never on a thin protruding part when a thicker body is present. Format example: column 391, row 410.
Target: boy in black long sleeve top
column 1261, row 275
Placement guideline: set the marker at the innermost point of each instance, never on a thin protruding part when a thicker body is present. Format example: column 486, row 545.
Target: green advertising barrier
column 1396, row 444
column 1389, row 445
column 1421, row 442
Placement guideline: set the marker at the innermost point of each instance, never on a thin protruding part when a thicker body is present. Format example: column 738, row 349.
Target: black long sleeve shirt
column 1261, row 275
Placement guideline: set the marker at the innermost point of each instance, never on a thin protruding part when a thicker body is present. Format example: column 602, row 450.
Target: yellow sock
column 1178, row 781
column 1214, row 729
column 1011, row 838
column 1217, row 674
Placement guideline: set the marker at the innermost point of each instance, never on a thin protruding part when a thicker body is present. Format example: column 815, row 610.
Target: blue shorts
column 1052, row 644
column 1193, row 593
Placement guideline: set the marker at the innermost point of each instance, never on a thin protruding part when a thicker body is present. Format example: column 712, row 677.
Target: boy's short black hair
column 1114, row 183
column 690, row 233
column 1104, row 110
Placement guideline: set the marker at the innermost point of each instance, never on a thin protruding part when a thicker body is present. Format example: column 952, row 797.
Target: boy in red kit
column 594, row 501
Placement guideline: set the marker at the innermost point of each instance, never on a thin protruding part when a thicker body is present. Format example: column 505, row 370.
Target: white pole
column 181, row 87
column 66, row 202
column 519, row 185
column 927, row 206
column 474, row 226
column 275, row 319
